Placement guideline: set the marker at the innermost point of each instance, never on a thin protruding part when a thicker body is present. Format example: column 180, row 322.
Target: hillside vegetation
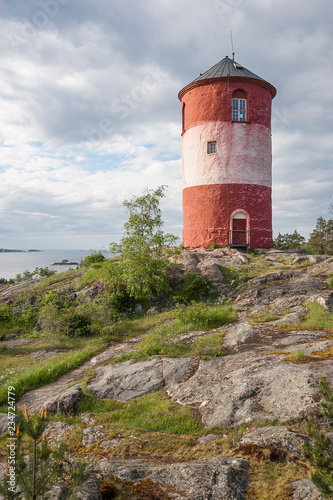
column 171, row 373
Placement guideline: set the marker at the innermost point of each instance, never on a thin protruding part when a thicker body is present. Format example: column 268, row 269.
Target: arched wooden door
column 239, row 229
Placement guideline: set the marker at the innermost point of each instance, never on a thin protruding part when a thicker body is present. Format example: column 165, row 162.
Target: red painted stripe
column 207, row 212
column 212, row 102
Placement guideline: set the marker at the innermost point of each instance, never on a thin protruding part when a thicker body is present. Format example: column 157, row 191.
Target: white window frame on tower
column 211, row 148
column 239, row 110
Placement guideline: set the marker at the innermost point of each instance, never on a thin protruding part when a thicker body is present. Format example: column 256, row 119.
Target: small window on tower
column 211, row 148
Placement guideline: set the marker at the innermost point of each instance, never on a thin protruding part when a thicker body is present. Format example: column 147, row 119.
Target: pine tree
column 319, row 450
column 38, row 466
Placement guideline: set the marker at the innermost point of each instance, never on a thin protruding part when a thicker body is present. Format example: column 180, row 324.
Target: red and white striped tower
column 227, row 158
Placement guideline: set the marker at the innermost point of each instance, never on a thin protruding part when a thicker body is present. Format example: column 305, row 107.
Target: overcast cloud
column 89, row 114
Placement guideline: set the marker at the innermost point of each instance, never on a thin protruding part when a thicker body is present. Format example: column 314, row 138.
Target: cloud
column 90, row 114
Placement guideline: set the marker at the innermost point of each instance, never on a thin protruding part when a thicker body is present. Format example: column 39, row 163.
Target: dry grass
column 272, row 480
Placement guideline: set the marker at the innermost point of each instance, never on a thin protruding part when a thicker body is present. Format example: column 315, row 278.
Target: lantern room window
column 211, row 148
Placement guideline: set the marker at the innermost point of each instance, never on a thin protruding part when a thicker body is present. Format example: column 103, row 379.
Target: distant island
column 6, row 250
column 65, row 262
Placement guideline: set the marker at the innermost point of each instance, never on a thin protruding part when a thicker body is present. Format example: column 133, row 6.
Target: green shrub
column 95, row 259
column 319, row 450
column 196, row 288
column 75, row 324
column 5, row 313
column 120, row 299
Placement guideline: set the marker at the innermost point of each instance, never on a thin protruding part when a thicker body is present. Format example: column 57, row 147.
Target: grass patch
column 199, row 317
column 49, row 370
column 230, row 274
column 318, row 318
column 271, row 480
column 129, row 327
column 156, row 413
column 263, row 317
column 164, row 340
column 46, row 282
column 328, row 354
column 330, row 282
column 89, row 277
column 299, row 357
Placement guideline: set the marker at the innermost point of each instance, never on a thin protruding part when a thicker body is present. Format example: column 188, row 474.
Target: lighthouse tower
column 227, row 158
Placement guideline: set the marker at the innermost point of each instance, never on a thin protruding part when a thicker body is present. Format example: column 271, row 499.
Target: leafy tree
column 319, row 451
column 144, row 249
column 289, row 241
column 321, row 238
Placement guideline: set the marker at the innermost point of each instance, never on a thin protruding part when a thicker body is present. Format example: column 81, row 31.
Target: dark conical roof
column 227, row 69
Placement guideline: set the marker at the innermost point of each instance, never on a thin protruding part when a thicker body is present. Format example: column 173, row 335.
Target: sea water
column 13, row 263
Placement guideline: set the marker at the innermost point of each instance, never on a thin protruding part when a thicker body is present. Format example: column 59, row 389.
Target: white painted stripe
column 244, row 154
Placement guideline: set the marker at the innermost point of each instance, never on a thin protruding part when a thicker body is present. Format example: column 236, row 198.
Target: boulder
column 90, row 490
column 57, row 431
column 240, row 333
column 109, row 443
column 324, row 300
column 66, row 401
column 128, row 380
column 57, row 492
column 92, row 435
column 300, row 288
column 247, row 387
column 218, row 478
column 208, row 439
column 4, row 422
column 88, row 418
column 305, row 490
column 278, row 437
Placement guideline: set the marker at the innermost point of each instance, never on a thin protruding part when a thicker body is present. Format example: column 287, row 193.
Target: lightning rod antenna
column 232, row 46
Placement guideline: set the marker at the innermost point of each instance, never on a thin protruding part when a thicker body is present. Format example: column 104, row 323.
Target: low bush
column 75, row 324
column 95, row 259
column 196, row 288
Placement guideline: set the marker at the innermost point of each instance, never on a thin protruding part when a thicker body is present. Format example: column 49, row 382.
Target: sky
column 90, row 116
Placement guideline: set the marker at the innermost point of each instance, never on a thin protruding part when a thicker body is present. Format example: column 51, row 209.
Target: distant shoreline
column 8, row 250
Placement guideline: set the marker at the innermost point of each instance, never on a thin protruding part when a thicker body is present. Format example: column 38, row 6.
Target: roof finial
column 232, row 46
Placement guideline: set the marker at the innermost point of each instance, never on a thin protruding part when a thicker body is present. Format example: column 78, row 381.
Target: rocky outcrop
column 125, row 381
column 279, row 437
column 90, row 490
column 218, row 478
column 305, row 490
column 4, row 422
column 66, row 401
column 248, row 387
column 93, row 434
